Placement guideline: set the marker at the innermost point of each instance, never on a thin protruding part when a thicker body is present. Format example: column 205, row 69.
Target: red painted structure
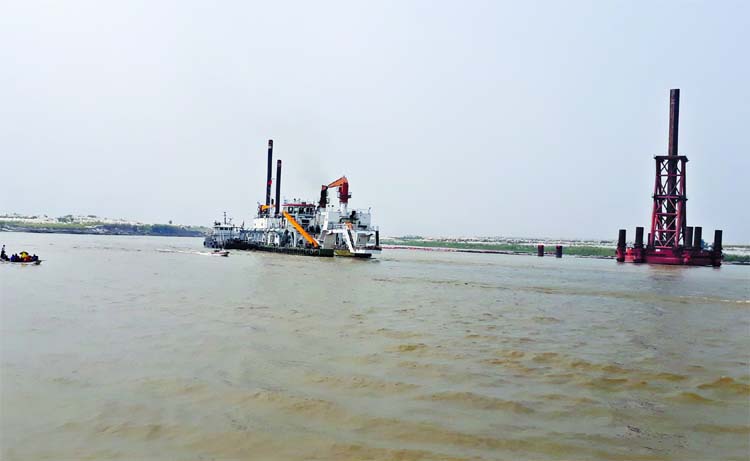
column 671, row 241
column 343, row 184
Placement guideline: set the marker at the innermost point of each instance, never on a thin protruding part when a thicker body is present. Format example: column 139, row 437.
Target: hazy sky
column 449, row 118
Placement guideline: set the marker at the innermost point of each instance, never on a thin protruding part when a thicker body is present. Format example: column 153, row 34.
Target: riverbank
column 166, row 230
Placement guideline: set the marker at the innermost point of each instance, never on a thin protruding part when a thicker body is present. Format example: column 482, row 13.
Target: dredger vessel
column 301, row 227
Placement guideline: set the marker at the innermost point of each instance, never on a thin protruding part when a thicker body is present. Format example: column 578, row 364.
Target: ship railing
column 354, row 228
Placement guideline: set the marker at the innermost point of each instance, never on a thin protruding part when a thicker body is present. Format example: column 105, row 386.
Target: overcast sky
column 449, row 118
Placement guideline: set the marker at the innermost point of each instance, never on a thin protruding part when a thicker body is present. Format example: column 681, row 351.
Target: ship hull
column 347, row 253
column 249, row 246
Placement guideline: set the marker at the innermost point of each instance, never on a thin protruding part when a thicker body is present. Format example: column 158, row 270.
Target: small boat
column 22, row 263
column 21, row 258
column 224, row 253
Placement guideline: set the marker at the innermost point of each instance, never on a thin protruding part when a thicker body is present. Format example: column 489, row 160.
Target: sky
column 449, row 118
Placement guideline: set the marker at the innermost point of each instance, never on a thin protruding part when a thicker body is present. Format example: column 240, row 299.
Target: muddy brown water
column 142, row 348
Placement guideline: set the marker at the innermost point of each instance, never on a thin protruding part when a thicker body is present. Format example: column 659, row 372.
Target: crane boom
column 299, row 228
column 343, row 184
column 339, row 182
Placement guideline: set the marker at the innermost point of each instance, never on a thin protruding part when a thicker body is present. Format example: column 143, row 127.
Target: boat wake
column 194, row 252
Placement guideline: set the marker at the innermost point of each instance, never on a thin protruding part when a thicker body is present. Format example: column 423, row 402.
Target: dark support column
column 638, row 237
column 717, row 240
column 674, row 127
column 697, row 236
column 689, row 237
column 540, row 250
column 621, row 238
column 621, row 248
column 674, row 120
column 716, row 255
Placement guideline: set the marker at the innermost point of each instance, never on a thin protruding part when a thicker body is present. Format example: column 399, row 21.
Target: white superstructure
column 222, row 233
column 350, row 233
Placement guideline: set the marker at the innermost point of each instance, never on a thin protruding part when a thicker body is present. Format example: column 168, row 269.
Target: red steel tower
column 671, row 241
column 668, row 217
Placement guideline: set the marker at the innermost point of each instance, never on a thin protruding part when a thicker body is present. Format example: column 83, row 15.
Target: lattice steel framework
column 668, row 219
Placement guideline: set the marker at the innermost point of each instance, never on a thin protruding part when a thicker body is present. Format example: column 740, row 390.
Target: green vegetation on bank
column 729, row 258
column 104, row 228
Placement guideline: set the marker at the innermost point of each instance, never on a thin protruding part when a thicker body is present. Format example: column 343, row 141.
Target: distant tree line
column 67, row 227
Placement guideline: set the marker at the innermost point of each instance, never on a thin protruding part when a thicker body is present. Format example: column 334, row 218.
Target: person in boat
column 14, row 258
column 3, row 256
column 34, row 257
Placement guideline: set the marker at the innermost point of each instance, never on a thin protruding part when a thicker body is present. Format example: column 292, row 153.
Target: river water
column 142, row 348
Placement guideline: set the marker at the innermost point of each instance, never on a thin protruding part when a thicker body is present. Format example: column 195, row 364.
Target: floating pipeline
column 244, row 245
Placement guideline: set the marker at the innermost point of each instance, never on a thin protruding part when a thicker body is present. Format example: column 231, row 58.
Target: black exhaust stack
column 323, row 202
column 278, row 187
column 268, row 176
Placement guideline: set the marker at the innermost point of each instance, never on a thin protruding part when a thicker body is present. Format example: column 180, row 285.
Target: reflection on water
column 114, row 350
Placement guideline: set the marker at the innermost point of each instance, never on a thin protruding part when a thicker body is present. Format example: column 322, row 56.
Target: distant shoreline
column 580, row 251
column 155, row 230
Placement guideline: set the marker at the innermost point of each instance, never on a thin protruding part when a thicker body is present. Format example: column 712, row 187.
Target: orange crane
column 343, row 184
